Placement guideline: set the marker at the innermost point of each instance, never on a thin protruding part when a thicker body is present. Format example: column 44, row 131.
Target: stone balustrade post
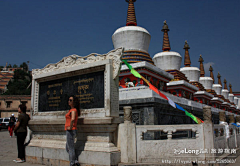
column 127, row 114
column 208, row 133
column 231, row 119
column 237, row 119
column 127, row 138
column 222, row 116
column 169, row 135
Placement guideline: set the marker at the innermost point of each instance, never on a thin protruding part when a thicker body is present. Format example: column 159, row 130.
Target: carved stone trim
column 85, row 112
column 105, row 90
column 45, row 143
column 35, row 110
column 75, row 60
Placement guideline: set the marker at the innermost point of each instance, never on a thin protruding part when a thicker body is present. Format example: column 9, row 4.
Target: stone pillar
column 231, row 119
column 127, row 114
column 237, row 119
column 207, row 114
column 127, row 138
column 222, row 116
column 208, row 132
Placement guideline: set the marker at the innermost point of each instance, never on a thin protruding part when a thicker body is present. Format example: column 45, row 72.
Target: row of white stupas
column 136, row 39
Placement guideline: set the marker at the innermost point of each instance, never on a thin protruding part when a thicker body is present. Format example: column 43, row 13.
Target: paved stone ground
column 8, row 150
column 237, row 163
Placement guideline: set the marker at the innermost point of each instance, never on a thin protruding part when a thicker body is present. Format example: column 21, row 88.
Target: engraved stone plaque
column 89, row 88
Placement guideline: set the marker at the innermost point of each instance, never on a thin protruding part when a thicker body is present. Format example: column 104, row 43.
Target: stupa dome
column 168, row 60
column 134, row 39
column 207, row 82
column 217, row 88
column 131, row 38
column 225, row 91
column 192, row 73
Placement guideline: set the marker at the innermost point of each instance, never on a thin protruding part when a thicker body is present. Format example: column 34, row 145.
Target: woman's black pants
column 21, row 136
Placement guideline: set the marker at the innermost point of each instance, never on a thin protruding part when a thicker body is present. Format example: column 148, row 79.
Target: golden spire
column 225, row 84
column 230, row 87
column 202, row 72
column 211, row 73
column 131, row 17
column 166, row 43
column 219, row 79
column 187, row 61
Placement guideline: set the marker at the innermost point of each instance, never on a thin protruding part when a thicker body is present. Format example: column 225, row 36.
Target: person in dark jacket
column 21, row 131
column 11, row 125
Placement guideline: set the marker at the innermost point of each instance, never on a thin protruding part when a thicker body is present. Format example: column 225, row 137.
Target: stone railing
column 222, row 141
column 177, row 144
column 155, row 143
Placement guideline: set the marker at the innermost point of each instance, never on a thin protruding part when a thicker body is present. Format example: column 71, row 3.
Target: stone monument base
column 59, row 157
column 96, row 142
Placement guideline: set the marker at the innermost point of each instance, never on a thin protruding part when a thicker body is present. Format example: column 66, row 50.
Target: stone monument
column 94, row 80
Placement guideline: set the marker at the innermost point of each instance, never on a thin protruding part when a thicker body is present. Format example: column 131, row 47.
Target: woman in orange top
column 71, row 129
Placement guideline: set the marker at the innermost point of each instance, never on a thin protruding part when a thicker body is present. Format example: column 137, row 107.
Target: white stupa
column 238, row 103
column 222, row 93
column 207, row 82
column 192, row 73
column 225, row 91
column 133, row 38
column 218, row 87
column 167, row 60
column 231, row 95
column 236, row 100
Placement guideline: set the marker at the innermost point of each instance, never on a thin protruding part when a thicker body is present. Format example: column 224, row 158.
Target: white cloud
column 207, row 65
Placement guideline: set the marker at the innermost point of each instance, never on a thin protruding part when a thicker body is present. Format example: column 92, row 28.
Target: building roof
column 184, row 83
column 5, row 77
column 151, row 67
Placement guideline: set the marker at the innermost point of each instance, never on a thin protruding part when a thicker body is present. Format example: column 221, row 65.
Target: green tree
column 18, row 85
column 15, row 66
column 9, row 66
column 19, row 74
column 24, row 66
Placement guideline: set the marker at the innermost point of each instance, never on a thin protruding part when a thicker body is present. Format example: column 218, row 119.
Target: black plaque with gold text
column 89, row 88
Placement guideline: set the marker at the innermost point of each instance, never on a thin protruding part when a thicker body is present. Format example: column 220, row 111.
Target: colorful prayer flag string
column 136, row 74
column 235, row 124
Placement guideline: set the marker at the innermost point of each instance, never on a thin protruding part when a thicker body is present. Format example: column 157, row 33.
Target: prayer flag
column 136, row 74
column 171, row 103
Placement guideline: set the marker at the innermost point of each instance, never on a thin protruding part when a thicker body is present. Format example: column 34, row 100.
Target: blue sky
column 45, row 31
